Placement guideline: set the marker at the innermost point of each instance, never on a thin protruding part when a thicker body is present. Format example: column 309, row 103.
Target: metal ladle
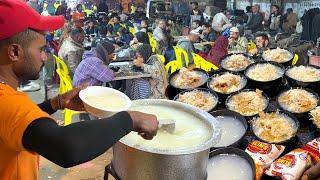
column 168, row 125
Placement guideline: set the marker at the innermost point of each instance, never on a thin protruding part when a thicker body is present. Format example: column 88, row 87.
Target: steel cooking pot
column 132, row 162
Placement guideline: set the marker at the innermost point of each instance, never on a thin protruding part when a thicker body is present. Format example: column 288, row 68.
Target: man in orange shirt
column 26, row 129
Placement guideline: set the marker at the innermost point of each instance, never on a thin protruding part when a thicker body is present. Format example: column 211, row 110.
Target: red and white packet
column 263, row 155
column 290, row 166
column 313, row 148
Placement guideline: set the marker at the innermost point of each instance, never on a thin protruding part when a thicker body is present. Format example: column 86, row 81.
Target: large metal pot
column 138, row 163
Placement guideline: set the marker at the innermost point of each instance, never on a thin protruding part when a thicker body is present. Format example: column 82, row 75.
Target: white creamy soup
column 189, row 130
column 229, row 167
column 232, row 130
column 109, row 102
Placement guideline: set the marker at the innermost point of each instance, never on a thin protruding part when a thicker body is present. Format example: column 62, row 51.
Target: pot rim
column 203, row 115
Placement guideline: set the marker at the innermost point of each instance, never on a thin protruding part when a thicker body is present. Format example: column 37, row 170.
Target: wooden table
column 130, row 75
column 126, row 72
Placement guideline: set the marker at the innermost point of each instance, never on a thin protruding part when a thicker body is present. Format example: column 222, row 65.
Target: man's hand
column 70, row 100
column 312, row 173
column 145, row 124
column 231, row 41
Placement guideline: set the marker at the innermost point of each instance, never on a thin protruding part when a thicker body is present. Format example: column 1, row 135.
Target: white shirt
column 219, row 21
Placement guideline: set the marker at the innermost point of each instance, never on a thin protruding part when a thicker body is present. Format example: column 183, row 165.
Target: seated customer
column 139, row 38
column 218, row 51
column 188, row 44
column 72, row 49
column 237, row 44
column 148, row 88
column 93, row 69
column 209, row 34
column 262, row 44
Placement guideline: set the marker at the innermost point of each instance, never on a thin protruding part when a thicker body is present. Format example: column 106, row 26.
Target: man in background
column 237, row 44
column 290, row 21
column 220, row 22
column 71, row 50
column 208, row 33
column 255, row 23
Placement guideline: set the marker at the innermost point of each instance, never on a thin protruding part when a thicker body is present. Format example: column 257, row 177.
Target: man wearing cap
column 27, row 130
column 71, row 50
column 237, row 44
column 188, row 44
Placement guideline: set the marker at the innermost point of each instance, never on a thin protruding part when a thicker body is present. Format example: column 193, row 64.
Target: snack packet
column 313, row 148
column 263, row 155
column 290, row 166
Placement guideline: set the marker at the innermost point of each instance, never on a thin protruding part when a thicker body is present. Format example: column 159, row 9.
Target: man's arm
column 80, row 142
column 101, row 71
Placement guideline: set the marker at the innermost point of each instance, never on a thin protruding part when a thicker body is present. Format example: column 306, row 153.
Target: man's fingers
column 313, row 172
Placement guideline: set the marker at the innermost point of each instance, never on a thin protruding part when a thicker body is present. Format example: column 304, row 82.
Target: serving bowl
column 233, row 152
column 207, row 91
column 286, row 114
column 223, row 96
column 86, row 95
column 303, row 117
column 286, row 63
column 314, row 85
column 268, row 86
column 237, row 117
column 173, row 90
column 227, row 57
column 247, row 116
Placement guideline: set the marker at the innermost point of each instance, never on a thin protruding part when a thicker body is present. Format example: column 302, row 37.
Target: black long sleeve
column 46, row 107
column 77, row 143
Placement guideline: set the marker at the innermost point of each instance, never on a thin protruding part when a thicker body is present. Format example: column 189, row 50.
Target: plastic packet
column 263, row 155
column 313, row 148
column 290, row 166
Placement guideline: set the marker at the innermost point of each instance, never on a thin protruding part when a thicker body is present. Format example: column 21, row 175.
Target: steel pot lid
column 212, row 124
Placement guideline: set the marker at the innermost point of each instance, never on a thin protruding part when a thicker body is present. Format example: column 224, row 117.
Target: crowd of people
column 106, row 32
